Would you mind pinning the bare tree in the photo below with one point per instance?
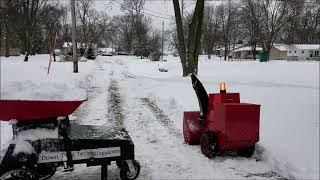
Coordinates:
(250, 18)
(27, 13)
(211, 30)
(274, 14)
(227, 15)
(125, 30)
(51, 17)
(189, 54)
(83, 8)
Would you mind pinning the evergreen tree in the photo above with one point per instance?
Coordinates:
(90, 53)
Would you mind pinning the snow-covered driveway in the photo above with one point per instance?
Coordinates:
(154, 124)
(130, 92)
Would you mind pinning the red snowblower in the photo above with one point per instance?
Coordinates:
(222, 124)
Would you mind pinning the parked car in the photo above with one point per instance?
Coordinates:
(107, 54)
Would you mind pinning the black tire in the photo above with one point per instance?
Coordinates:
(18, 174)
(209, 145)
(46, 172)
(119, 163)
(124, 171)
(246, 152)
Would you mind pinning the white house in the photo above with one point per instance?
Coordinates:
(66, 48)
(244, 53)
(304, 52)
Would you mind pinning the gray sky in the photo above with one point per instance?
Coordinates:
(157, 10)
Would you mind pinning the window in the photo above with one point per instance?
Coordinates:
(289, 51)
(295, 51)
(302, 52)
(316, 53)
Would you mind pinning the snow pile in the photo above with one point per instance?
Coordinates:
(36, 134)
(22, 146)
(31, 81)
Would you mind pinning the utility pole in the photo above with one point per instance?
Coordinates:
(162, 38)
(74, 43)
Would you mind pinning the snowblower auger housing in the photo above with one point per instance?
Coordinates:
(61, 143)
(228, 124)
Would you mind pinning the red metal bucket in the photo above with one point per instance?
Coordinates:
(23, 110)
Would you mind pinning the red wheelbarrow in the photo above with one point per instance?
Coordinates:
(223, 123)
(73, 144)
(26, 110)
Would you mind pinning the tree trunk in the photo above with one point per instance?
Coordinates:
(254, 50)
(7, 50)
(26, 58)
(199, 14)
(189, 59)
(180, 34)
(225, 51)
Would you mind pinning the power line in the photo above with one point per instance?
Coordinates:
(145, 13)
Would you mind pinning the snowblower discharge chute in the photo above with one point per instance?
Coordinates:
(223, 123)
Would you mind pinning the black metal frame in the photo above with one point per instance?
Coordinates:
(71, 138)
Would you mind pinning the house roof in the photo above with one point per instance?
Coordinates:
(69, 44)
(107, 49)
(235, 47)
(281, 47)
(307, 46)
(247, 48)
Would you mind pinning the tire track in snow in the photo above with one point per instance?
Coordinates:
(161, 116)
(115, 110)
(95, 85)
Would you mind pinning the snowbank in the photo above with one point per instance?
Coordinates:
(30, 80)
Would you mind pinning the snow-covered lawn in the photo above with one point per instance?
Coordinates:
(287, 91)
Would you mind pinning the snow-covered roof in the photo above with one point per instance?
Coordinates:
(107, 49)
(247, 48)
(281, 47)
(237, 46)
(69, 44)
(307, 46)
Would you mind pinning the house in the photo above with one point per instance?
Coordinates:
(279, 52)
(244, 53)
(304, 52)
(220, 51)
(107, 51)
(12, 51)
(67, 49)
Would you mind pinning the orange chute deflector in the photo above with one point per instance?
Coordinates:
(223, 88)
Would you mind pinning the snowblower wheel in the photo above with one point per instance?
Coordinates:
(18, 174)
(125, 173)
(208, 144)
(247, 152)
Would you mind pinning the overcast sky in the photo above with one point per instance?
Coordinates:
(157, 10)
